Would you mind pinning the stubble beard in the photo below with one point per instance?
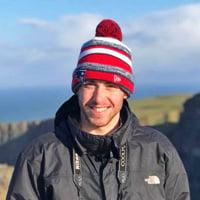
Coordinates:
(95, 122)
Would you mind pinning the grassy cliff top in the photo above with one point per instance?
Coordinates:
(159, 109)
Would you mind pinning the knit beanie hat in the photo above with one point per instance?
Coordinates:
(105, 58)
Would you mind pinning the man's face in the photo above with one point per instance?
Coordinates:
(100, 104)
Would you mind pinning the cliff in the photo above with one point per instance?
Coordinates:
(18, 135)
(9, 131)
(186, 138)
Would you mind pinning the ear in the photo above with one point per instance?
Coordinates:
(125, 96)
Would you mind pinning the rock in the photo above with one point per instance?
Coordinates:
(10, 150)
(187, 141)
(9, 131)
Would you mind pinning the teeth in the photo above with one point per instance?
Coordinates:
(100, 109)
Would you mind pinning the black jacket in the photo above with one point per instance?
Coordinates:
(133, 163)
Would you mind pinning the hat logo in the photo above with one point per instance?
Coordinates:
(117, 78)
(80, 74)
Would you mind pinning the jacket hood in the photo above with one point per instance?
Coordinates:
(67, 126)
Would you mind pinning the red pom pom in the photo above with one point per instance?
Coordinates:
(109, 28)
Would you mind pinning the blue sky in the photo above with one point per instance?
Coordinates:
(40, 40)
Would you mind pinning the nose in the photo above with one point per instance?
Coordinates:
(99, 95)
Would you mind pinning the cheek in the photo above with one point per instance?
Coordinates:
(119, 98)
(83, 98)
(119, 104)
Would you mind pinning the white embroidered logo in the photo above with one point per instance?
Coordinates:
(152, 180)
(117, 78)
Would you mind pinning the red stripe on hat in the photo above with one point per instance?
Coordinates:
(105, 59)
(75, 80)
(113, 78)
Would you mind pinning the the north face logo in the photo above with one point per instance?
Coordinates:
(152, 180)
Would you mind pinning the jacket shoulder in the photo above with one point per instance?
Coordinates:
(150, 140)
(47, 142)
(149, 135)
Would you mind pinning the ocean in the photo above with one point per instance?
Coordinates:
(27, 104)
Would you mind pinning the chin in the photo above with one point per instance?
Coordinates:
(98, 124)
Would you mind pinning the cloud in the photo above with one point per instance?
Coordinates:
(47, 55)
(67, 31)
(165, 45)
(36, 23)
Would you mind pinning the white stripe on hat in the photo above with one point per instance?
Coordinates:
(106, 51)
(112, 40)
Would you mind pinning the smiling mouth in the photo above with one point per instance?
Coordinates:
(100, 110)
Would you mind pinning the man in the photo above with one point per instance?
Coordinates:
(98, 149)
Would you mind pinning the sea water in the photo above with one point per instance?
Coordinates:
(27, 104)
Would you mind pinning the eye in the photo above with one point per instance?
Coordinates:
(112, 86)
(89, 85)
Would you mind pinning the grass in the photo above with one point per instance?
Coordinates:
(159, 109)
(5, 175)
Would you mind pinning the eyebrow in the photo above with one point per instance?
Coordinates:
(100, 81)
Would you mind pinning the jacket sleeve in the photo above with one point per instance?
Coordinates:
(25, 181)
(176, 184)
